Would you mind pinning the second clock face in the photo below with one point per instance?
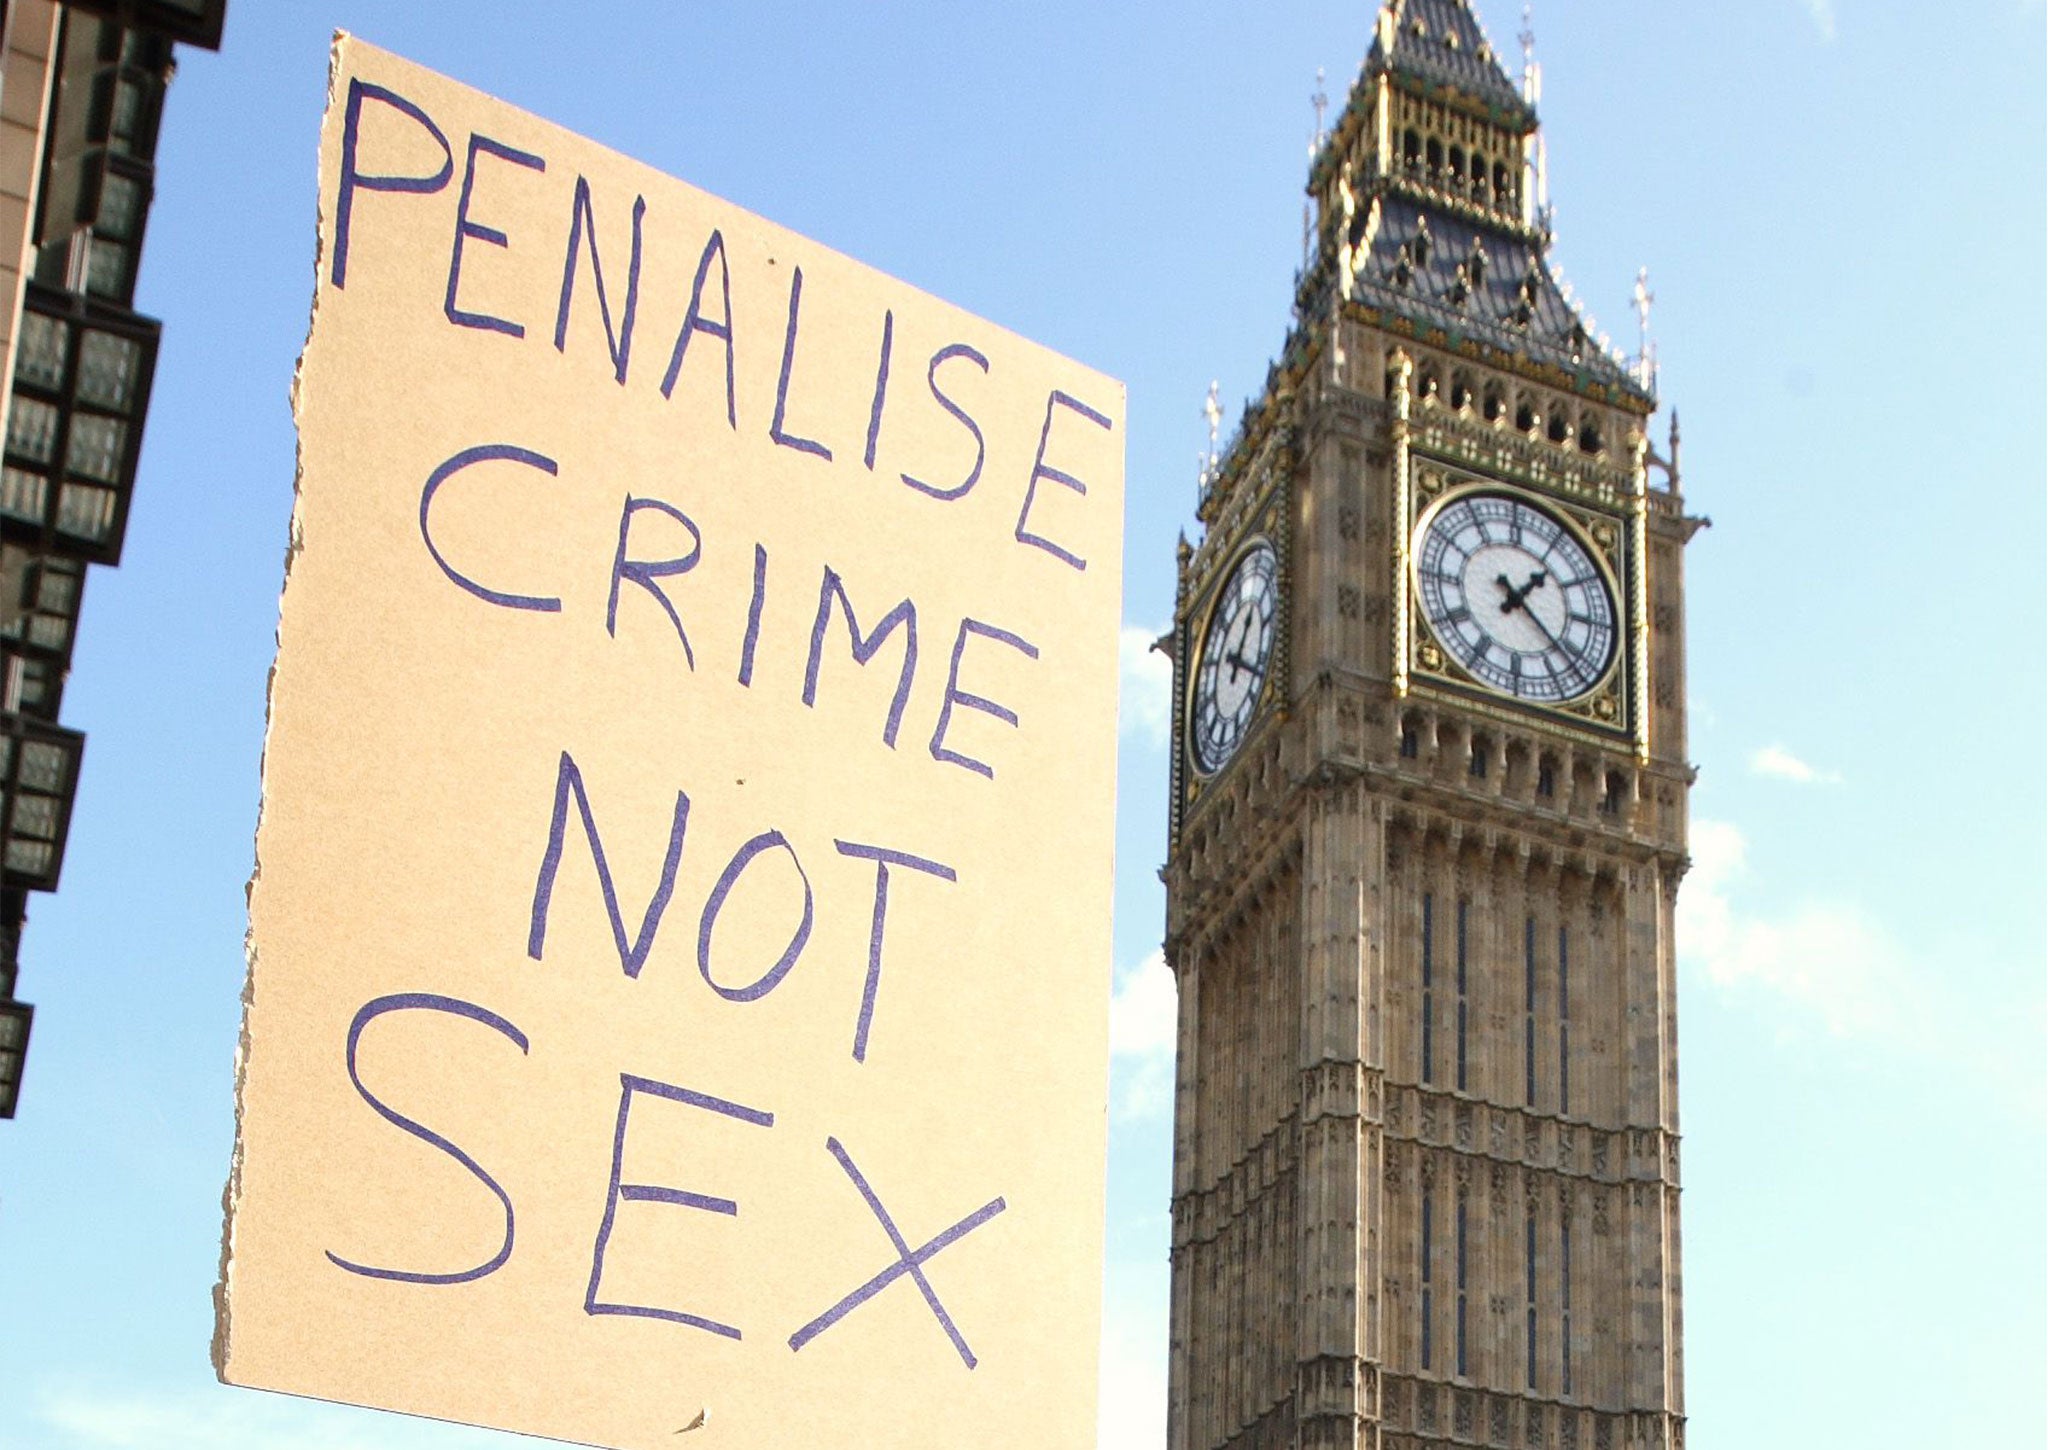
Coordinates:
(1515, 597)
(1230, 674)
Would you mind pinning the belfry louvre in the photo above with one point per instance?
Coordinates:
(1429, 821)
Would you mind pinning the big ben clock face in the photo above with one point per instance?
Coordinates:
(1237, 649)
(1515, 597)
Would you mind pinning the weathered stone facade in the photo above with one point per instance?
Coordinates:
(1426, 1137)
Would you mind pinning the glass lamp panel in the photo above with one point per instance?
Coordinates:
(32, 429)
(13, 1032)
(41, 350)
(23, 495)
(44, 767)
(34, 817)
(120, 212)
(86, 512)
(30, 858)
(38, 687)
(127, 113)
(57, 587)
(106, 369)
(107, 268)
(96, 447)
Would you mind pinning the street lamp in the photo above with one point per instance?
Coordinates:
(15, 1020)
(38, 778)
(195, 22)
(81, 386)
(39, 601)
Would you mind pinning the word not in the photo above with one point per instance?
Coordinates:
(633, 953)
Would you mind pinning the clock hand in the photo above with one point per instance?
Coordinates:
(1515, 597)
(1555, 642)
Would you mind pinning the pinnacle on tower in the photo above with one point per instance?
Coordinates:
(1441, 44)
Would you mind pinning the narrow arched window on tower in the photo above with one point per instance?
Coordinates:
(1463, 912)
(1529, 1014)
(1529, 1288)
(1565, 1298)
(1463, 1365)
(1428, 971)
(1564, 1020)
(1428, 1215)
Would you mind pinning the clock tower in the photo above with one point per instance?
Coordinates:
(1429, 818)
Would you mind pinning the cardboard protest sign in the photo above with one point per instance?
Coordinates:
(679, 937)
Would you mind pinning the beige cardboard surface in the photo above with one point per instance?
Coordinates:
(794, 604)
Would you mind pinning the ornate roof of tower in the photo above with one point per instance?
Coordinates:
(1442, 44)
(1477, 282)
(1441, 222)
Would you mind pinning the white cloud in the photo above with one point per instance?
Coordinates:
(1822, 13)
(1827, 960)
(1145, 709)
(1144, 1018)
(1833, 965)
(233, 1419)
(1779, 763)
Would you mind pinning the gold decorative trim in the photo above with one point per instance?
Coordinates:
(1614, 541)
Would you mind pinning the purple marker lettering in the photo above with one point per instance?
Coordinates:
(884, 858)
(485, 453)
(466, 229)
(621, 1192)
(775, 430)
(694, 322)
(715, 903)
(957, 696)
(354, 179)
(908, 1261)
(864, 646)
(760, 597)
(944, 355)
(632, 955)
(1041, 469)
(582, 218)
(881, 389)
(645, 572)
(429, 1002)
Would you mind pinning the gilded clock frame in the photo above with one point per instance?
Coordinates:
(1262, 509)
(1252, 540)
(1611, 710)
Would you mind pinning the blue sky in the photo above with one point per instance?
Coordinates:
(1840, 203)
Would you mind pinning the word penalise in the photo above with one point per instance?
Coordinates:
(708, 321)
